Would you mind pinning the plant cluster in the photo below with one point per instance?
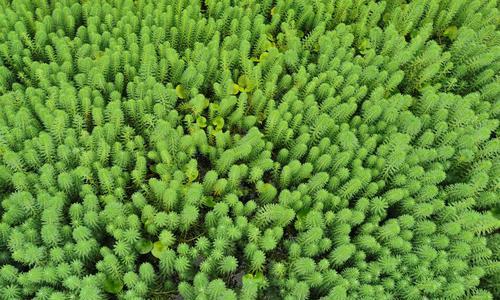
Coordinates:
(249, 149)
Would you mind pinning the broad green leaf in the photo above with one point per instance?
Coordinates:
(218, 122)
(243, 81)
(214, 107)
(201, 121)
(143, 246)
(268, 45)
(180, 92)
(364, 45)
(451, 32)
(113, 286)
(247, 276)
(158, 249)
(245, 84)
(259, 276)
(235, 89)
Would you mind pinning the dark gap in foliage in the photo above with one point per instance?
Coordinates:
(204, 164)
(203, 7)
(393, 211)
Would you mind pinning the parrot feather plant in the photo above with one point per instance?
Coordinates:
(253, 149)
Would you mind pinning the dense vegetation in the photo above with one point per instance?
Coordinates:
(249, 149)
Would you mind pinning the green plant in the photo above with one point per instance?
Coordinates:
(257, 149)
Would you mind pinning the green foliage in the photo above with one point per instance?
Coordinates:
(257, 149)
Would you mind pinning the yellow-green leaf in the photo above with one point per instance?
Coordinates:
(214, 107)
(235, 89)
(180, 92)
(218, 122)
(268, 45)
(201, 121)
(451, 32)
(247, 276)
(245, 83)
(259, 276)
(158, 249)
